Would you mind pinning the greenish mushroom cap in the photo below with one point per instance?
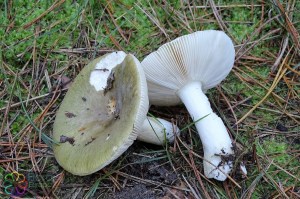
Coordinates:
(96, 127)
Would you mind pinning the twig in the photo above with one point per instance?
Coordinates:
(31, 99)
(279, 75)
(54, 5)
(7, 108)
(218, 16)
(191, 188)
(278, 59)
(290, 26)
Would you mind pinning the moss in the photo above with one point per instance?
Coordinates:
(19, 40)
(278, 152)
(275, 151)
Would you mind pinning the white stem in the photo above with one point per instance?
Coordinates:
(212, 131)
(156, 131)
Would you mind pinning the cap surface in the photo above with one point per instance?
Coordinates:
(205, 56)
(94, 128)
(99, 75)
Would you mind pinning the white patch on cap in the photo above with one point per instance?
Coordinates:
(98, 77)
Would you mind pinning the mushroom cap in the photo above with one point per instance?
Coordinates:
(205, 56)
(94, 128)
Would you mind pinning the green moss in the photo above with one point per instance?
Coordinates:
(19, 40)
(18, 124)
(275, 151)
(278, 152)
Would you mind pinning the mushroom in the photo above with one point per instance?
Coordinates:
(182, 71)
(97, 122)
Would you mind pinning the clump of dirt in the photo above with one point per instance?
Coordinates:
(149, 167)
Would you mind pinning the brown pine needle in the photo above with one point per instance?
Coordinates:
(279, 75)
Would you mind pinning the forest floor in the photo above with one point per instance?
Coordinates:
(45, 44)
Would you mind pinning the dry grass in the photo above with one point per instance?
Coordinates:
(259, 102)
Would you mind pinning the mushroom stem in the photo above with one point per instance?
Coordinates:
(157, 131)
(216, 142)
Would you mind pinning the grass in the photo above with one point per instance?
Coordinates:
(46, 43)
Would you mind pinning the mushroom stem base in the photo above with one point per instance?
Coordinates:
(217, 145)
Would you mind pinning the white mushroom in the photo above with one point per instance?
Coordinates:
(182, 71)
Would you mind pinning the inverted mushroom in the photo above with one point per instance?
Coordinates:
(96, 124)
(154, 130)
(182, 71)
